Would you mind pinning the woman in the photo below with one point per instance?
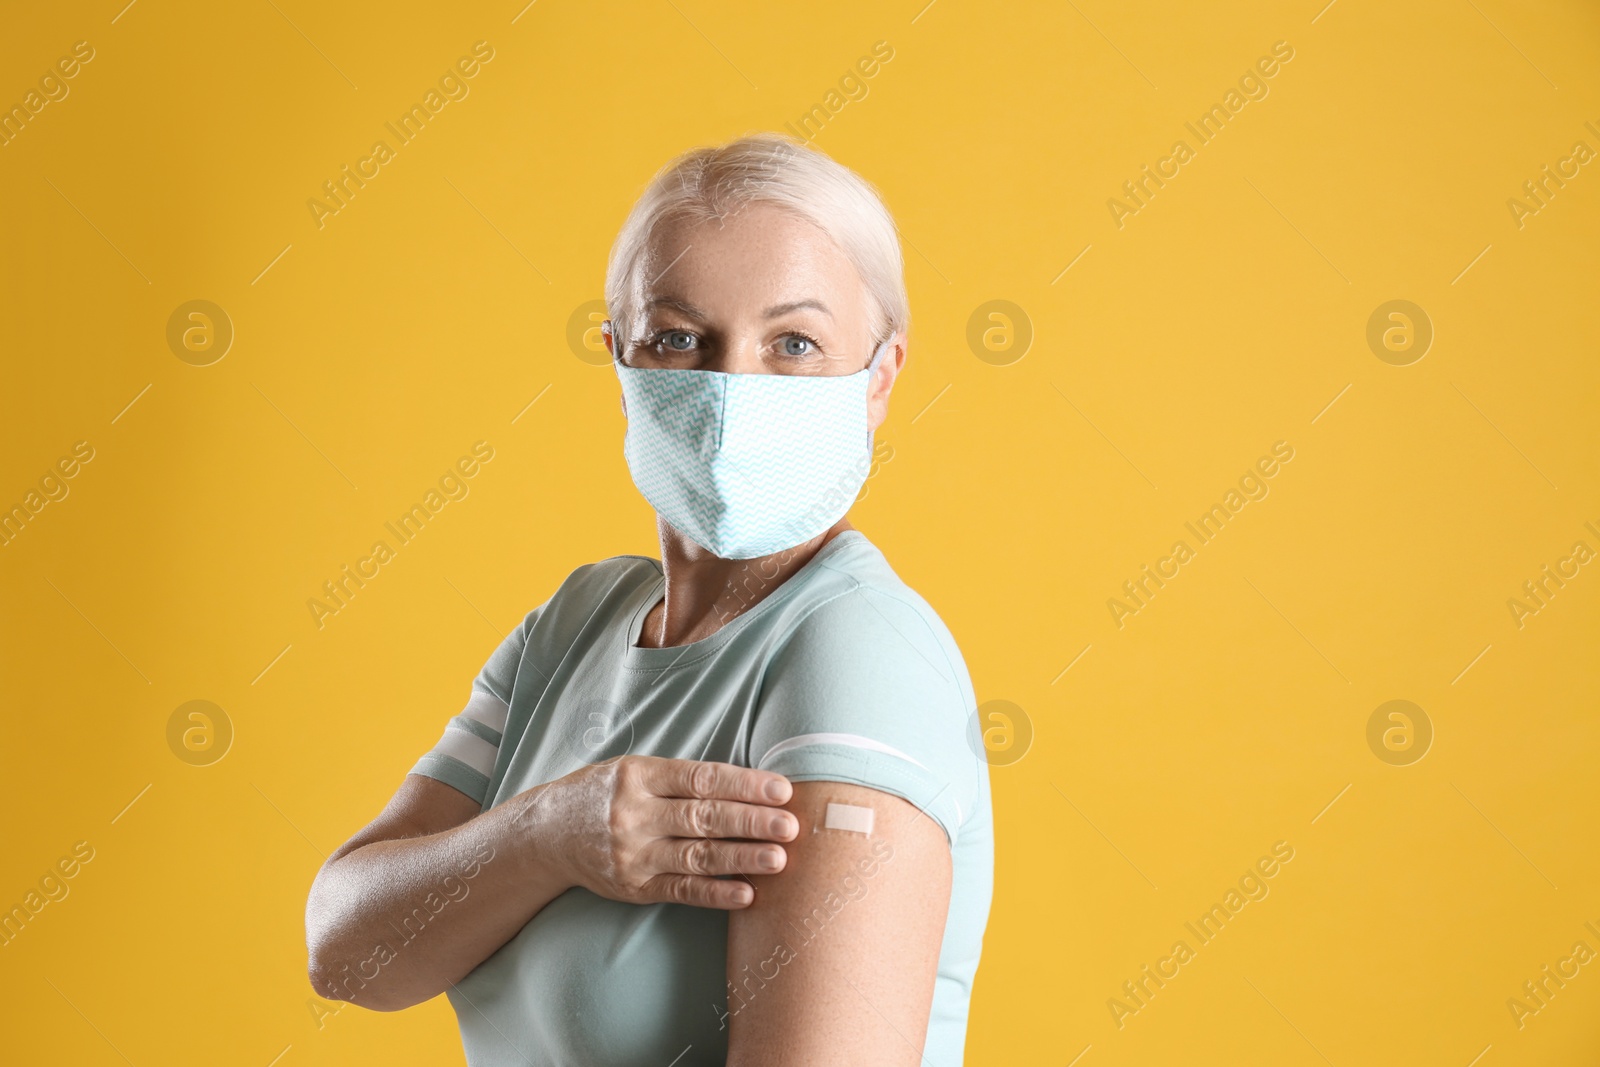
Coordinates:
(721, 808)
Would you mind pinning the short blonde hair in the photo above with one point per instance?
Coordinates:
(710, 183)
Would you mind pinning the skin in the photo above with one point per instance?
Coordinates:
(718, 295)
(858, 986)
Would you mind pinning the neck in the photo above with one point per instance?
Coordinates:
(705, 592)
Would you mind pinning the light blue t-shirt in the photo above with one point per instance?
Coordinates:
(842, 673)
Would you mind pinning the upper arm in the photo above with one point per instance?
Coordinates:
(835, 960)
(866, 704)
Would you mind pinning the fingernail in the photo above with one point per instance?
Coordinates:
(770, 858)
(780, 827)
(743, 895)
(777, 789)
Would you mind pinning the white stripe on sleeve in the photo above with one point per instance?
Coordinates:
(468, 747)
(487, 709)
(851, 740)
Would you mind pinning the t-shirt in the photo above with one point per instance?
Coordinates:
(842, 673)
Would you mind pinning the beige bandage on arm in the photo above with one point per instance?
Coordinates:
(849, 817)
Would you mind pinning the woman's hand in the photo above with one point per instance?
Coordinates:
(646, 830)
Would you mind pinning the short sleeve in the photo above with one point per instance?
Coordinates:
(464, 756)
(870, 689)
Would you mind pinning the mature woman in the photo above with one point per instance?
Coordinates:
(720, 808)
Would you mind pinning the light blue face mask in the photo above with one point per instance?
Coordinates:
(746, 465)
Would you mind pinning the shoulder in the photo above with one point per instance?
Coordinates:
(613, 572)
(590, 594)
(868, 686)
(591, 585)
(859, 615)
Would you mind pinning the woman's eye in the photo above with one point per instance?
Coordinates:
(678, 340)
(797, 345)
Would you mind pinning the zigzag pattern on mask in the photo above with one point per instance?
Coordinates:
(746, 464)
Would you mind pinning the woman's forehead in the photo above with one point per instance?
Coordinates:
(695, 311)
(761, 259)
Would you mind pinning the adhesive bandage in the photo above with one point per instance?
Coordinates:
(848, 817)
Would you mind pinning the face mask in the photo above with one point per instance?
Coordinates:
(746, 465)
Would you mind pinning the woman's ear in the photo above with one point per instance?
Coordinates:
(611, 346)
(894, 360)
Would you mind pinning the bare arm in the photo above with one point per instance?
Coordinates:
(431, 888)
(421, 896)
(835, 961)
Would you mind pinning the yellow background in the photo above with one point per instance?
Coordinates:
(1228, 314)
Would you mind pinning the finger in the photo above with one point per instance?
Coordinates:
(724, 894)
(721, 818)
(722, 781)
(706, 856)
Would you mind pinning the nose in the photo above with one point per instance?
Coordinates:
(736, 355)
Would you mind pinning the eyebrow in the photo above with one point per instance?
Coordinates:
(771, 312)
(783, 309)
